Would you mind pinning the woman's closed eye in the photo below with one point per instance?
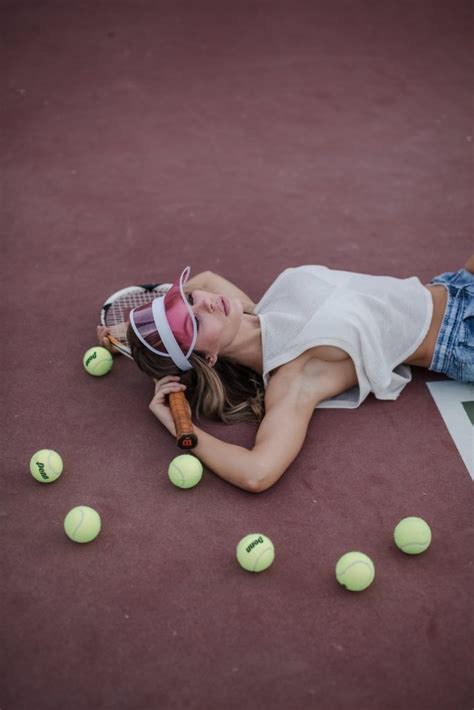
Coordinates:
(189, 296)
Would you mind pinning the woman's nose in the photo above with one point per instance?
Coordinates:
(205, 303)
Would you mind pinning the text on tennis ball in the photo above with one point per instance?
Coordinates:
(41, 470)
(254, 543)
(91, 357)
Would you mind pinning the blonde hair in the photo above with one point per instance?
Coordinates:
(228, 392)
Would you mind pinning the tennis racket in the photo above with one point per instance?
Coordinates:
(115, 315)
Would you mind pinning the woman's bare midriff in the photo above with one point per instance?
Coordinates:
(423, 356)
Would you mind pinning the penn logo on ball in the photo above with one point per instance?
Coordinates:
(46, 465)
(97, 361)
(255, 552)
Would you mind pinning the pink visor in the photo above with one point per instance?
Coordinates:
(167, 325)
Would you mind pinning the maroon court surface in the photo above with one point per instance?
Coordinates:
(239, 137)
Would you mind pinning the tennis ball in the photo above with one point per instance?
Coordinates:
(412, 536)
(255, 552)
(46, 465)
(355, 571)
(82, 524)
(97, 361)
(185, 471)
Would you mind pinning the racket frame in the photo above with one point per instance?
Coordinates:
(186, 437)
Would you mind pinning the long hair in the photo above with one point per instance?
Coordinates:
(229, 392)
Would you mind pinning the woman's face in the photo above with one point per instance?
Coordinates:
(218, 319)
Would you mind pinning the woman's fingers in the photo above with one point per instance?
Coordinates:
(159, 405)
(166, 380)
(102, 332)
(167, 385)
(166, 389)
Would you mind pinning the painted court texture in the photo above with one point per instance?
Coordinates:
(243, 138)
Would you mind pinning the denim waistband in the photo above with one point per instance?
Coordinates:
(448, 332)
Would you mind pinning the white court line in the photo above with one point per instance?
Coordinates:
(448, 396)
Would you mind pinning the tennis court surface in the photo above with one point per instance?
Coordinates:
(242, 138)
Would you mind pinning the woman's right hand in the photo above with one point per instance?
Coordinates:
(102, 333)
(159, 404)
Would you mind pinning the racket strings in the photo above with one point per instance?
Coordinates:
(118, 313)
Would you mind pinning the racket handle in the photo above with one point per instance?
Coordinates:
(186, 437)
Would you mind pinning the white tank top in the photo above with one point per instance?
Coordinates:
(378, 320)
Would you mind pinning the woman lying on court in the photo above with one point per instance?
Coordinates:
(318, 338)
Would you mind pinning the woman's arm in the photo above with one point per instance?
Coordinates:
(234, 464)
(209, 281)
(289, 406)
(279, 439)
(290, 400)
(200, 281)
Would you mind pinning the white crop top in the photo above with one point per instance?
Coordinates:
(378, 320)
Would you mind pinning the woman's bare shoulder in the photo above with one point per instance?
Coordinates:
(314, 378)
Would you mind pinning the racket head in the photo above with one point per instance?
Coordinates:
(115, 312)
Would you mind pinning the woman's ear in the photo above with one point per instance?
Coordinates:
(211, 360)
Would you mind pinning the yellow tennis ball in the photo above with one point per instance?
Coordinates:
(97, 361)
(46, 465)
(82, 524)
(185, 471)
(355, 571)
(412, 535)
(255, 552)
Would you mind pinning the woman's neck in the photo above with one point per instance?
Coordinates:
(246, 348)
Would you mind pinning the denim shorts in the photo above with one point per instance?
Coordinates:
(454, 350)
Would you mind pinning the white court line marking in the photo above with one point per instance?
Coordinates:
(449, 396)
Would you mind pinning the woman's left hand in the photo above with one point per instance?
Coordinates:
(159, 405)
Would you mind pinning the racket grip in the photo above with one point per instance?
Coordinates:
(186, 438)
